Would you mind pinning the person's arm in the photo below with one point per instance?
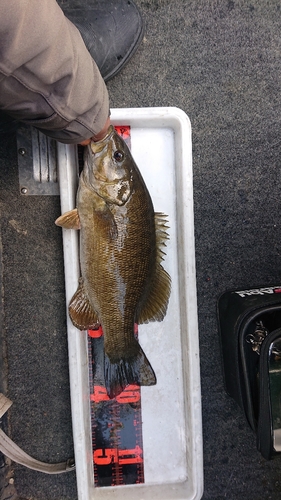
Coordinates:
(47, 76)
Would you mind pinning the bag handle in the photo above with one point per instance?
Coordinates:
(15, 453)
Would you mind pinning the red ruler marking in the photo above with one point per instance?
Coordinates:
(125, 132)
(116, 423)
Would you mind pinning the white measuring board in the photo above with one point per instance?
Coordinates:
(164, 437)
(171, 410)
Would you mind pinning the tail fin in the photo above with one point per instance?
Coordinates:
(124, 371)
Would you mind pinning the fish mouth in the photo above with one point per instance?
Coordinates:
(97, 146)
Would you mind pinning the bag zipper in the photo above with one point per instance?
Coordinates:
(257, 338)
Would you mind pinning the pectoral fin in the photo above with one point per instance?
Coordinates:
(81, 311)
(69, 220)
(104, 222)
(155, 304)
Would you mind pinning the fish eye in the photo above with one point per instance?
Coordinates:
(118, 155)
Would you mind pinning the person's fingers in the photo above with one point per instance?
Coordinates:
(99, 136)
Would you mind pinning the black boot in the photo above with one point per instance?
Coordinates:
(111, 29)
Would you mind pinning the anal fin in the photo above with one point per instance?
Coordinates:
(81, 311)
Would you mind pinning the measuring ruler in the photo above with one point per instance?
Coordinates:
(116, 423)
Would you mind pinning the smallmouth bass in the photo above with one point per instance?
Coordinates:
(121, 249)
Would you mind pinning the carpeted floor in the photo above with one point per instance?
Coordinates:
(219, 61)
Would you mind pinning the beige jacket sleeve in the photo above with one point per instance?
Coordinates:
(47, 77)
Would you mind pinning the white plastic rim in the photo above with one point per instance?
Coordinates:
(172, 422)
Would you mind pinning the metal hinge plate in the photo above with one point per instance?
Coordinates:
(37, 162)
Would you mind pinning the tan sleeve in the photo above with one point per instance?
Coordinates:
(47, 76)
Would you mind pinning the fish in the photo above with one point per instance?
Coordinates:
(122, 244)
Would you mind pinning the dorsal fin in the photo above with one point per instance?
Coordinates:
(162, 235)
(155, 305)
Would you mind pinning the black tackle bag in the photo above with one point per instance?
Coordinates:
(250, 335)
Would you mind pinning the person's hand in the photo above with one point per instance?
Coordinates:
(99, 136)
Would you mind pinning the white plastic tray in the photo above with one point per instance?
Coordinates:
(171, 410)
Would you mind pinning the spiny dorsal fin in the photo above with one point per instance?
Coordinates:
(69, 220)
(81, 311)
(162, 235)
(155, 305)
